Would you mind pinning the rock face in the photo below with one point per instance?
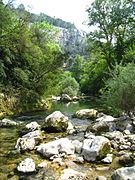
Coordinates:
(33, 126)
(7, 122)
(56, 147)
(68, 174)
(56, 122)
(96, 147)
(27, 166)
(125, 173)
(86, 113)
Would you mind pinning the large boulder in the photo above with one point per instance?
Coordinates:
(96, 147)
(124, 173)
(26, 166)
(70, 174)
(56, 122)
(86, 114)
(7, 122)
(56, 147)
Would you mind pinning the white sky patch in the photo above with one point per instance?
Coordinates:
(73, 11)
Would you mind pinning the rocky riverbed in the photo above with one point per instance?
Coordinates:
(100, 147)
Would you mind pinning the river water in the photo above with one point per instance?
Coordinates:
(10, 158)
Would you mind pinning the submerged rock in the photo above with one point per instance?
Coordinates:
(68, 174)
(86, 113)
(56, 122)
(56, 147)
(124, 173)
(96, 147)
(7, 122)
(27, 166)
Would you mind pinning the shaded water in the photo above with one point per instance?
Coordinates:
(10, 158)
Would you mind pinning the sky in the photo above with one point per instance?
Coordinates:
(73, 11)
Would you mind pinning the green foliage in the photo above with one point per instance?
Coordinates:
(77, 67)
(93, 76)
(29, 58)
(115, 26)
(119, 93)
(68, 84)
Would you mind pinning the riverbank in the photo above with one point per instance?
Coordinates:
(117, 133)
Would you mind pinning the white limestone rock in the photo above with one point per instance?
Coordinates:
(86, 113)
(33, 126)
(124, 173)
(97, 147)
(56, 122)
(56, 147)
(27, 166)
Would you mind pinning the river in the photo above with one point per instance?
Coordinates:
(10, 158)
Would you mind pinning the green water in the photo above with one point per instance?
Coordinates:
(10, 158)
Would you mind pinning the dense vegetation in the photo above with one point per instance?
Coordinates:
(29, 59)
(32, 61)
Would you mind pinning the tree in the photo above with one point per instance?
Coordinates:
(119, 92)
(115, 28)
(77, 67)
(29, 58)
(68, 84)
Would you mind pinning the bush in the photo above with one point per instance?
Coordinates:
(119, 93)
(68, 84)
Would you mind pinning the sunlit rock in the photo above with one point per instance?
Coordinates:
(33, 126)
(96, 147)
(26, 166)
(86, 113)
(124, 173)
(24, 144)
(59, 146)
(56, 122)
(7, 122)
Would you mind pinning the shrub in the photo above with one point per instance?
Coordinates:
(68, 84)
(119, 93)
